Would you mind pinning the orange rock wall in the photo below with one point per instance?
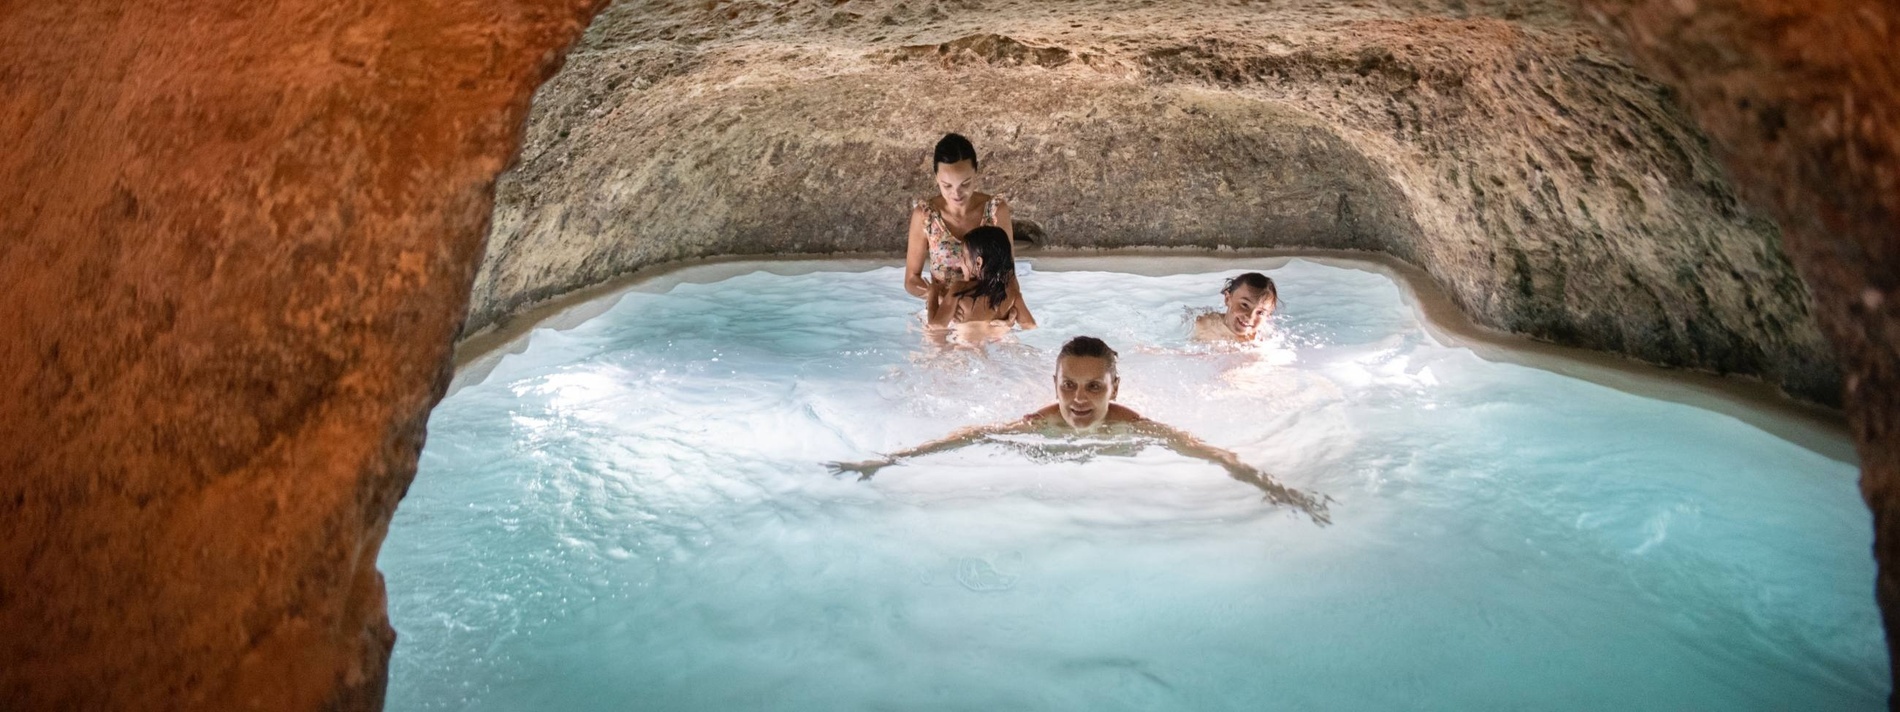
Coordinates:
(1801, 100)
(236, 241)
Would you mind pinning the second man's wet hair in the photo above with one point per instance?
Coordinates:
(1091, 347)
(989, 245)
(1253, 279)
(951, 149)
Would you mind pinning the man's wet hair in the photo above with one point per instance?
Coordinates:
(1091, 347)
(1250, 279)
(1253, 279)
(951, 149)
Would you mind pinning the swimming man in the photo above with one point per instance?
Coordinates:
(1248, 300)
(1086, 384)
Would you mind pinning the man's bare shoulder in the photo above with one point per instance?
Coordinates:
(1210, 327)
(1118, 413)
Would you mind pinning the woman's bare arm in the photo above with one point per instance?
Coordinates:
(1003, 221)
(939, 305)
(1024, 318)
(959, 439)
(1186, 444)
(914, 255)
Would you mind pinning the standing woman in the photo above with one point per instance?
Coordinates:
(937, 225)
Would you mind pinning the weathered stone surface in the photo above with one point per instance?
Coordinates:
(236, 241)
(1549, 187)
(1802, 101)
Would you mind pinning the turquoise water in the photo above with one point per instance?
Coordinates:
(632, 515)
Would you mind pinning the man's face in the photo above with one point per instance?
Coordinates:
(1084, 387)
(1246, 308)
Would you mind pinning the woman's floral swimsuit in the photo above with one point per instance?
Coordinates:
(946, 250)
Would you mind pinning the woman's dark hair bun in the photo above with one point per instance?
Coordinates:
(951, 149)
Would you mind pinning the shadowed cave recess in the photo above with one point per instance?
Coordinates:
(242, 242)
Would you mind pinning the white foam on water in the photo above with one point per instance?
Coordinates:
(633, 514)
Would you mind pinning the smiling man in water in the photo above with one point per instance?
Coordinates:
(1247, 301)
(1086, 386)
(1086, 383)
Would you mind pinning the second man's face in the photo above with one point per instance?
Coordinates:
(1247, 307)
(1084, 388)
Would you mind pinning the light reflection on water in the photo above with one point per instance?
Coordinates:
(631, 514)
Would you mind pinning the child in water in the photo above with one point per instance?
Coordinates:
(981, 303)
(983, 294)
(1247, 301)
(1086, 384)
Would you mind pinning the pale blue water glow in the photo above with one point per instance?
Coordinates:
(631, 515)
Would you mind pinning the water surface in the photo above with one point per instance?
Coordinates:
(632, 514)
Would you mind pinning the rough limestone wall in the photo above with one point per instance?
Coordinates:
(236, 242)
(1548, 186)
(1802, 101)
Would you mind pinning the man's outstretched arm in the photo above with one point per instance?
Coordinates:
(962, 438)
(1186, 444)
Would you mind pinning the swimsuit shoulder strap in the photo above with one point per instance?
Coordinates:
(933, 218)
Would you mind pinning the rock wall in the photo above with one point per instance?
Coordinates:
(236, 242)
(1547, 185)
(1802, 101)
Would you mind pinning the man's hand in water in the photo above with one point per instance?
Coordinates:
(1181, 442)
(863, 469)
(1273, 491)
(961, 438)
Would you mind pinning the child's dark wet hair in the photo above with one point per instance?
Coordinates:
(951, 149)
(1090, 347)
(989, 246)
